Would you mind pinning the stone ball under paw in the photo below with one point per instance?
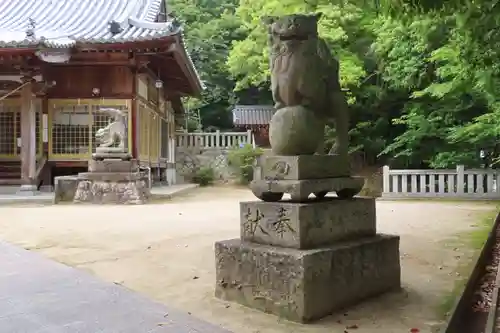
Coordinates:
(295, 130)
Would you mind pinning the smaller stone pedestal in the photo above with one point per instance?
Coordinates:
(301, 176)
(112, 181)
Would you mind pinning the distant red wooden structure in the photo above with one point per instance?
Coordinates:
(255, 118)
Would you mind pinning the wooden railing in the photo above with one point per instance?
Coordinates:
(471, 183)
(216, 139)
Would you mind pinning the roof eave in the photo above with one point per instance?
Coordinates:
(146, 43)
(87, 46)
(185, 60)
(18, 50)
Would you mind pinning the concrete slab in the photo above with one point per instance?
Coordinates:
(38, 295)
(167, 192)
(8, 197)
(39, 198)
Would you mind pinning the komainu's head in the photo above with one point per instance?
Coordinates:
(293, 27)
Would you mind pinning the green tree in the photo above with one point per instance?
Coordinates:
(210, 27)
(422, 77)
(461, 100)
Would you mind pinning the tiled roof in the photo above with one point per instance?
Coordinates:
(252, 114)
(62, 23)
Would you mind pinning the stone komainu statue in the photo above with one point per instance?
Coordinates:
(113, 135)
(304, 72)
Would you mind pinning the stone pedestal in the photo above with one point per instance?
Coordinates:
(304, 285)
(65, 188)
(307, 225)
(112, 181)
(301, 176)
(306, 258)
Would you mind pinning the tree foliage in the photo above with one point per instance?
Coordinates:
(422, 77)
(210, 27)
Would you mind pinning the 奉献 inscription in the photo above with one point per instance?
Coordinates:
(252, 221)
(282, 223)
(307, 225)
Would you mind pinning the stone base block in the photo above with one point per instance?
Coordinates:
(111, 176)
(65, 188)
(118, 155)
(114, 165)
(305, 285)
(300, 190)
(307, 225)
(111, 188)
(28, 190)
(304, 167)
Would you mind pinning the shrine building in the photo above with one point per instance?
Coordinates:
(63, 60)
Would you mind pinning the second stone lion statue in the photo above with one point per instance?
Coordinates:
(114, 134)
(304, 72)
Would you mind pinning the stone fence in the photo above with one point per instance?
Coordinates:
(441, 183)
(215, 140)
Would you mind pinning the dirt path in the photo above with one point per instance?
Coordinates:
(166, 252)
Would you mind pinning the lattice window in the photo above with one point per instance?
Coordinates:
(18, 131)
(10, 128)
(70, 130)
(8, 135)
(38, 129)
(73, 127)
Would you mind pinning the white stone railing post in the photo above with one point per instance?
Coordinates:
(217, 139)
(386, 179)
(249, 137)
(460, 179)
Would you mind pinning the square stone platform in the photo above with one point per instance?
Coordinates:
(112, 181)
(304, 285)
(307, 225)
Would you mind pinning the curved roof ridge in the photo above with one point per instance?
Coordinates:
(154, 7)
(63, 23)
(123, 18)
(150, 25)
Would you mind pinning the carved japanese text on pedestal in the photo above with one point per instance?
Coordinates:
(307, 225)
(252, 222)
(281, 224)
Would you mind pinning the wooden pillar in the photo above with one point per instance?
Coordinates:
(28, 134)
(134, 150)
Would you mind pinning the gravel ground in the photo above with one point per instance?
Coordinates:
(165, 251)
